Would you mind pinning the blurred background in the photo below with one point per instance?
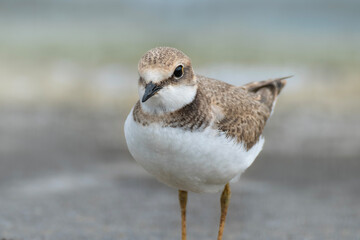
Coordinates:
(68, 79)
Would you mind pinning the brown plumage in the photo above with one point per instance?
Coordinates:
(268, 90)
(239, 112)
(161, 58)
(244, 110)
(178, 112)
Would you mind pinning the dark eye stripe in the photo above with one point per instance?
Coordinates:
(187, 73)
(142, 81)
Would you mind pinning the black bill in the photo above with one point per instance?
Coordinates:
(150, 90)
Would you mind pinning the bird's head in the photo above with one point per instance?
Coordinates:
(167, 81)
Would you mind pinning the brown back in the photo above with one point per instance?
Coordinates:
(241, 112)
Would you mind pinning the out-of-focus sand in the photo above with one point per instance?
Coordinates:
(66, 173)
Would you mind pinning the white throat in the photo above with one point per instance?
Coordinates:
(168, 99)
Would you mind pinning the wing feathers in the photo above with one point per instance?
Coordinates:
(267, 91)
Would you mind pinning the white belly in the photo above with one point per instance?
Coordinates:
(192, 161)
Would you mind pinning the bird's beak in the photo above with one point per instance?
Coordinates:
(150, 90)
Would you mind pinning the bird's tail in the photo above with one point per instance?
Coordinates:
(268, 90)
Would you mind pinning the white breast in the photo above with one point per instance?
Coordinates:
(192, 161)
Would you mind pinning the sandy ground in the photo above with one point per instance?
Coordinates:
(67, 175)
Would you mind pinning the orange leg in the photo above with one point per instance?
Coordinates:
(183, 201)
(224, 202)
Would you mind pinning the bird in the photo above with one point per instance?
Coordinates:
(194, 133)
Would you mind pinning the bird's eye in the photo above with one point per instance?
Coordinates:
(179, 71)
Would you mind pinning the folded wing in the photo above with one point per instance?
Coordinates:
(241, 112)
